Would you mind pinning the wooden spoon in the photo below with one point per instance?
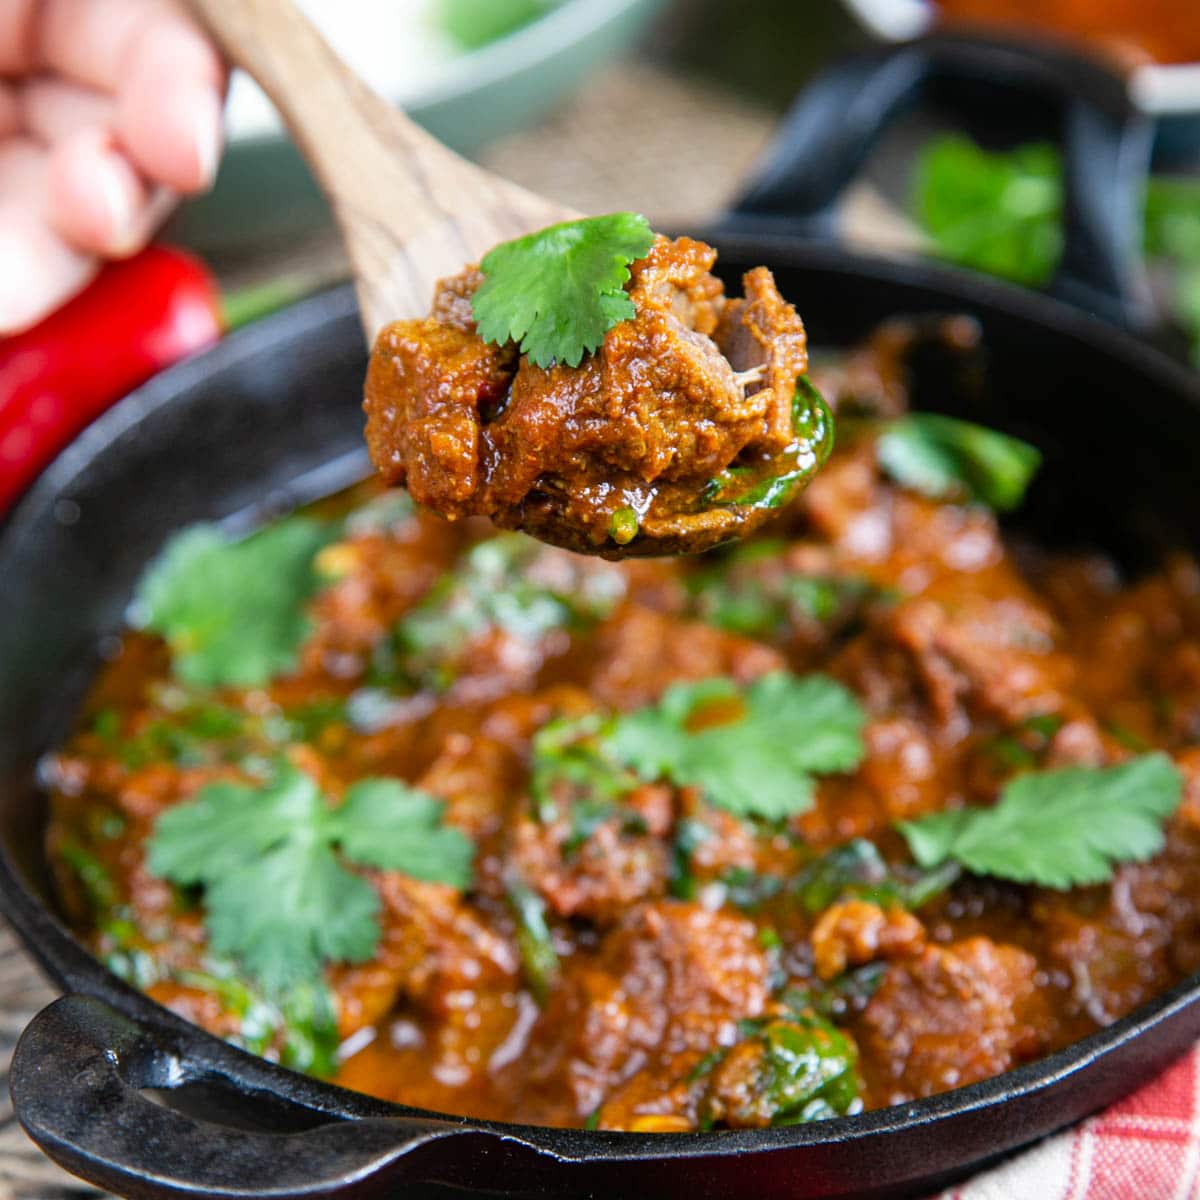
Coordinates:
(411, 210)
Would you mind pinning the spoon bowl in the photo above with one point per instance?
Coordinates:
(412, 212)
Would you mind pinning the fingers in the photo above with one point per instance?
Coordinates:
(94, 195)
(41, 272)
(92, 41)
(40, 269)
(17, 40)
(95, 199)
(121, 109)
(171, 124)
(166, 77)
(51, 108)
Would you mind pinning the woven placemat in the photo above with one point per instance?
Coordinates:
(25, 1174)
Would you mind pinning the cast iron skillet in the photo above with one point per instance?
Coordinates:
(138, 1101)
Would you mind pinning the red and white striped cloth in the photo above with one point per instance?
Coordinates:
(1147, 1147)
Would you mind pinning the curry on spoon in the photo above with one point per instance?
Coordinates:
(588, 382)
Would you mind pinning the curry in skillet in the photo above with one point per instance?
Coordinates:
(871, 806)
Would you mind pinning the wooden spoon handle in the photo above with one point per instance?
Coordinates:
(411, 210)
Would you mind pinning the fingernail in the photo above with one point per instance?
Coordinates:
(206, 136)
(122, 215)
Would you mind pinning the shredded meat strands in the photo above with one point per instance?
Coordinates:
(695, 383)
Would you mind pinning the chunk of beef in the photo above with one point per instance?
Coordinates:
(640, 653)
(906, 772)
(658, 401)
(667, 985)
(428, 386)
(673, 396)
(962, 650)
(762, 333)
(896, 537)
(597, 869)
(854, 932)
(436, 948)
(1118, 946)
(377, 578)
(476, 776)
(953, 1016)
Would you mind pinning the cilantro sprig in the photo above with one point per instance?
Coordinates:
(1058, 829)
(751, 750)
(557, 292)
(996, 212)
(233, 611)
(1001, 212)
(277, 897)
(946, 459)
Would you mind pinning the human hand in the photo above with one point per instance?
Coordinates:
(109, 111)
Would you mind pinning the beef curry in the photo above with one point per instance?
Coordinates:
(474, 824)
(689, 424)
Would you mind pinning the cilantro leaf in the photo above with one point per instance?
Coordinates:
(559, 291)
(945, 458)
(232, 612)
(1187, 307)
(996, 212)
(284, 913)
(1173, 237)
(384, 823)
(1002, 213)
(225, 825)
(751, 750)
(1173, 219)
(277, 898)
(1059, 829)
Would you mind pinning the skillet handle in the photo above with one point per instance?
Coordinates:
(1106, 140)
(78, 1080)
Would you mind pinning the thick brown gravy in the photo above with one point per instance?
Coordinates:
(660, 991)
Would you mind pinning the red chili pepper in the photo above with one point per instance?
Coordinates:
(137, 317)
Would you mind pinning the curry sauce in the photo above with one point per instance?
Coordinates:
(627, 954)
